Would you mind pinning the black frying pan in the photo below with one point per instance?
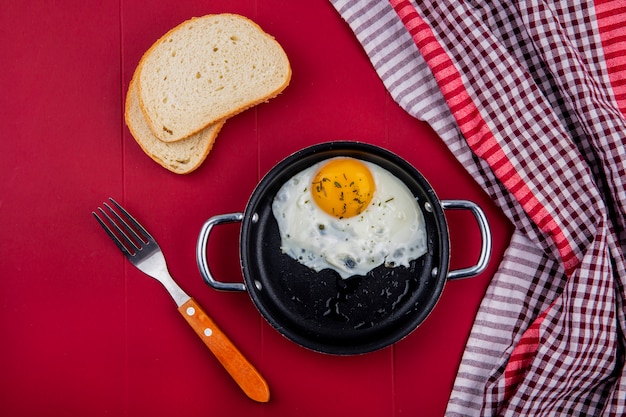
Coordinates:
(320, 310)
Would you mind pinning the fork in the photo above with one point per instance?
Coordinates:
(143, 252)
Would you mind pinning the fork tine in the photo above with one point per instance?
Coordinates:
(137, 226)
(124, 229)
(110, 232)
(127, 238)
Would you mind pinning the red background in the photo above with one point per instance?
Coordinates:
(83, 332)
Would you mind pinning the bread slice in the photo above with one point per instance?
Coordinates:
(181, 157)
(207, 69)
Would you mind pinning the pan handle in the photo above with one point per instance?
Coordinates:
(201, 256)
(485, 233)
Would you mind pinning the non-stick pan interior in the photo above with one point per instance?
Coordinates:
(322, 311)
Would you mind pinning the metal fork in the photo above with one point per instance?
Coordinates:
(143, 251)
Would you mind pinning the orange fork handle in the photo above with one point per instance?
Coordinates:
(242, 371)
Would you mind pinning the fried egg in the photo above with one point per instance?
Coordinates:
(349, 215)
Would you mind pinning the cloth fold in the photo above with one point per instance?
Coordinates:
(531, 98)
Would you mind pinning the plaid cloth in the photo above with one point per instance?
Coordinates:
(530, 96)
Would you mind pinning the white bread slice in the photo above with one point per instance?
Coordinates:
(208, 69)
(181, 157)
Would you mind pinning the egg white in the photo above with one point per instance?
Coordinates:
(390, 230)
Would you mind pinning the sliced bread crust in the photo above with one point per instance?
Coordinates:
(208, 69)
(181, 157)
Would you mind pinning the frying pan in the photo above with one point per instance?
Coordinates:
(320, 310)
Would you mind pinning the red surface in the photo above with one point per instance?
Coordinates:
(83, 333)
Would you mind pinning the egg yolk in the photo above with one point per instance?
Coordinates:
(343, 187)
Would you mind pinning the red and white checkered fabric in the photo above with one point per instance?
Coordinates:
(530, 96)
